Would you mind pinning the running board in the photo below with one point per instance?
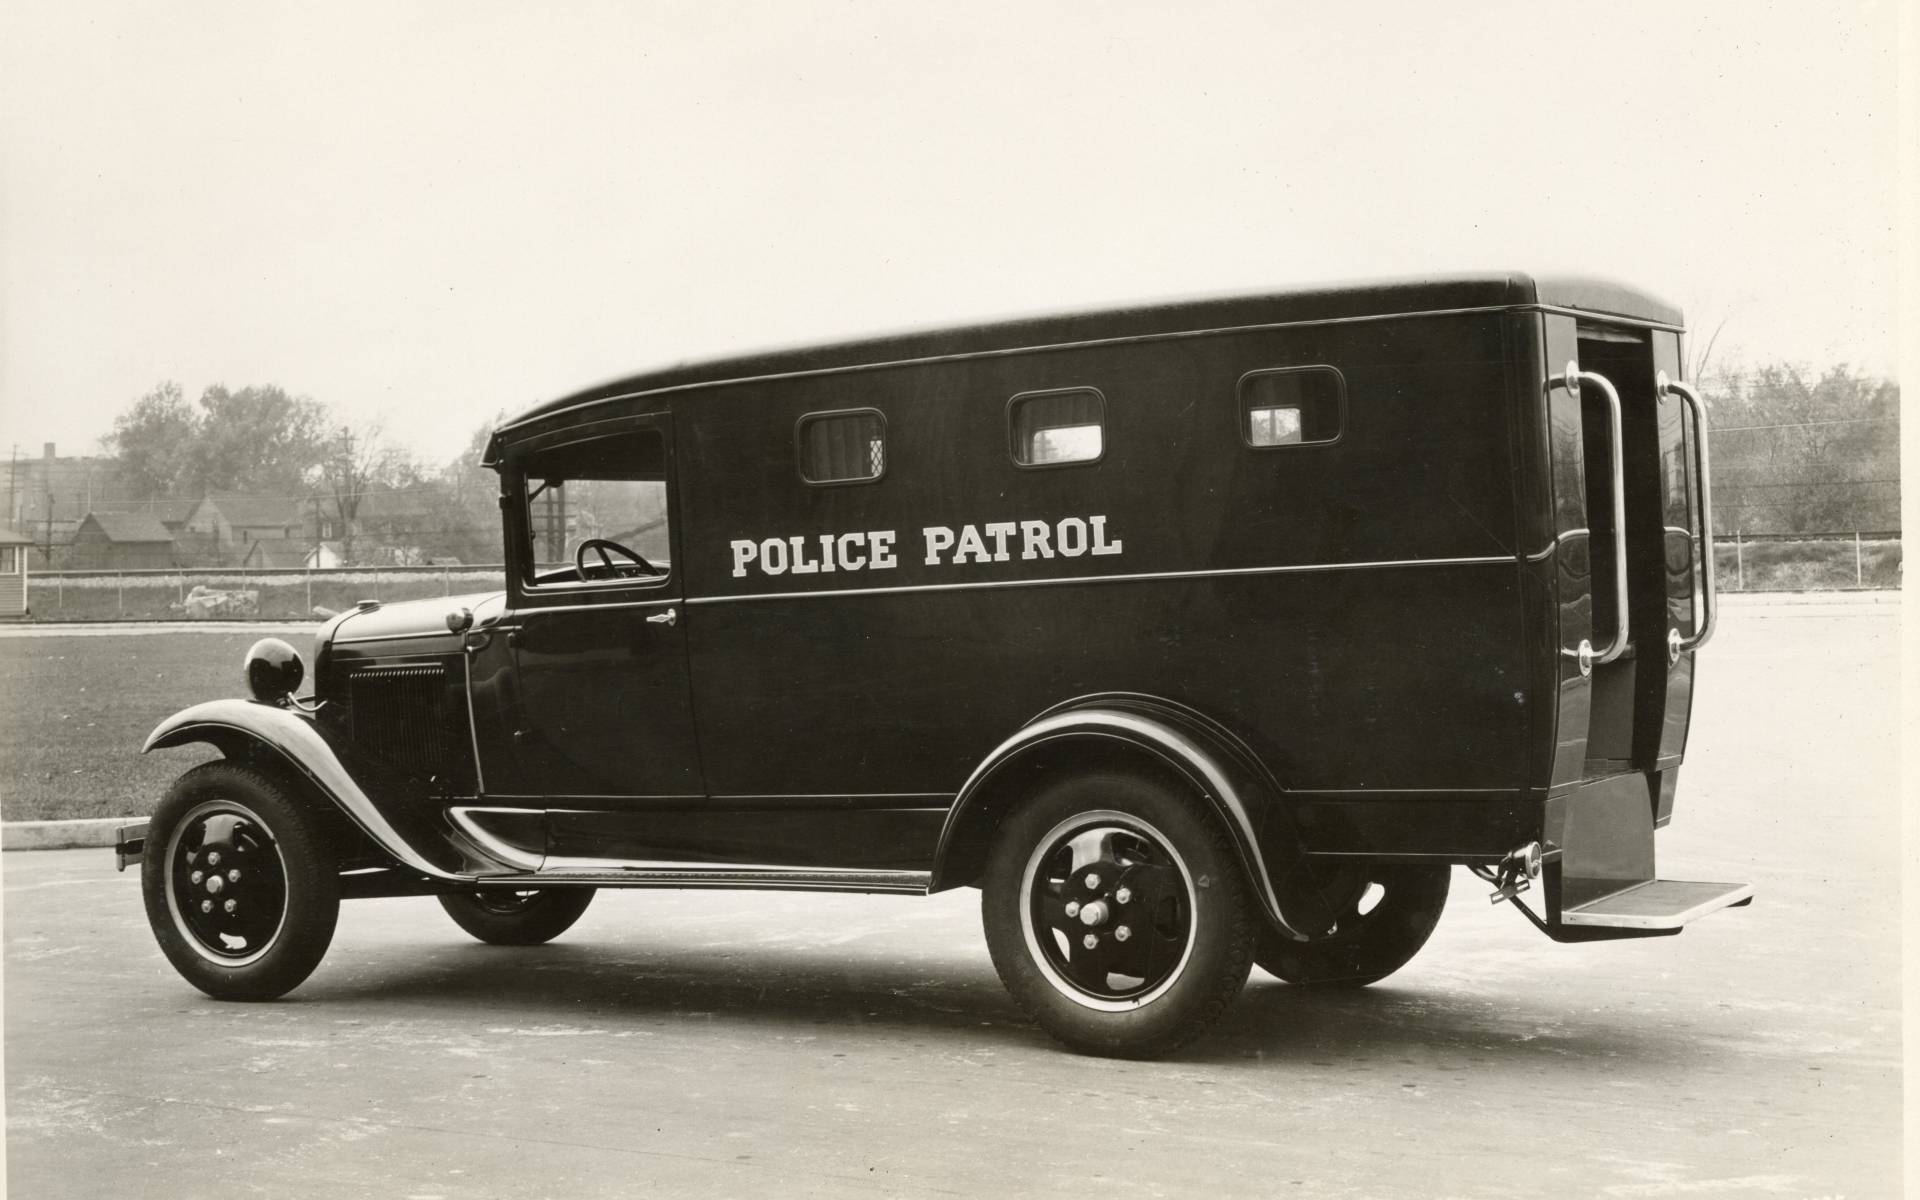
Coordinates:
(765, 879)
(1657, 906)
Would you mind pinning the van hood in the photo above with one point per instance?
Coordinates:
(421, 617)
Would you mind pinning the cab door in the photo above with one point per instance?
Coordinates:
(600, 720)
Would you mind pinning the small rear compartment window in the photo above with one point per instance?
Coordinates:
(1055, 428)
(843, 447)
(1292, 406)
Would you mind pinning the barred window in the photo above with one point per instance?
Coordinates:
(1292, 406)
(843, 447)
(1055, 428)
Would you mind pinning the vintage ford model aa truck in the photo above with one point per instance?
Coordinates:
(1195, 635)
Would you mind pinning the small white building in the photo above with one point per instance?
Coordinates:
(13, 573)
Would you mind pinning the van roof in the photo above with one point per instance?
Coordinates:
(1325, 302)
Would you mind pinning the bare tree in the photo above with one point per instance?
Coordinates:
(346, 473)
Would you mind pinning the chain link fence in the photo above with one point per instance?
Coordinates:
(1807, 562)
(241, 594)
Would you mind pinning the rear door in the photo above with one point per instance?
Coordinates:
(1636, 701)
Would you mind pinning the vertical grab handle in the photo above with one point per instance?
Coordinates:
(1709, 606)
(1617, 490)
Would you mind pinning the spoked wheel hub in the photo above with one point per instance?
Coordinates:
(1109, 910)
(227, 883)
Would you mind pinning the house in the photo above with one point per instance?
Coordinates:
(173, 513)
(224, 529)
(13, 573)
(121, 541)
(390, 526)
(232, 519)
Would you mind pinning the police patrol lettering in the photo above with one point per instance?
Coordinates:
(873, 550)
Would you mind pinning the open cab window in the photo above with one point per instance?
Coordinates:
(595, 511)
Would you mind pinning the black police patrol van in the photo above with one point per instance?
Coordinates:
(1196, 636)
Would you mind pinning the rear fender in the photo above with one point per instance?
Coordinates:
(1208, 757)
(248, 729)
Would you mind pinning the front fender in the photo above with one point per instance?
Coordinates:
(1210, 758)
(240, 727)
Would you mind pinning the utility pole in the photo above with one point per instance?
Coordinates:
(13, 472)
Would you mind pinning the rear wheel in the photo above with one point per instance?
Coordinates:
(1117, 915)
(501, 917)
(240, 889)
(1375, 918)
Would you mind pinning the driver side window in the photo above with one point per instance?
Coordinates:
(596, 511)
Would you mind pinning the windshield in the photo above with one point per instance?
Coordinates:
(609, 490)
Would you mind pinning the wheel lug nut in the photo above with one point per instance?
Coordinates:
(1120, 933)
(213, 859)
(1093, 880)
(1073, 908)
(1090, 941)
(206, 906)
(196, 877)
(233, 876)
(1123, 895)
(233, 904)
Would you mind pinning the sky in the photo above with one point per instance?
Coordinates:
(426, 214)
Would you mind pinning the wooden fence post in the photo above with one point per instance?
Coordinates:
(309, 611)
(1858, 579)
(1739, 564)
(120, 591)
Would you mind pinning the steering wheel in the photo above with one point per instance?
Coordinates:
(605, 569)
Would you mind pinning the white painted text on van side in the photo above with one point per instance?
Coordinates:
(873, 550)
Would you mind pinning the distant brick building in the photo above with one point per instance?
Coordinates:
(47, 496)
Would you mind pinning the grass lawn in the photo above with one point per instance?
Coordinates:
(74, 711)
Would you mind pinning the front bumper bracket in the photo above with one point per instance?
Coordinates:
(129, 845)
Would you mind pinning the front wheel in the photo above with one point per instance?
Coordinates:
(517, 918)
(1117, 915)
(240, 890)
(1380, 917)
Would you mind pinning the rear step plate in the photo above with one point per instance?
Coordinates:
(1658, 904)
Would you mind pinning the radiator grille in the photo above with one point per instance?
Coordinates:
(400, 716)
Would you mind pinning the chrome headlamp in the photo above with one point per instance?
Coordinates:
(273, 670)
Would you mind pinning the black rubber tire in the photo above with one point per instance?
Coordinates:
(1366, 947)
(509, 918)
(276, 816)
(1221, 934)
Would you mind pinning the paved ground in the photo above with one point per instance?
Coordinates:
(714, 1044)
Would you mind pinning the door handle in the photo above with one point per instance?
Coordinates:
(664, 618)
(1616, 444)
(1703, 627)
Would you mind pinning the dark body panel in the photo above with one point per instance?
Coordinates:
(1290, 592)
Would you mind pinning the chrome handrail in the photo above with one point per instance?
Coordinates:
(1572, 380)
(1709, 607)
